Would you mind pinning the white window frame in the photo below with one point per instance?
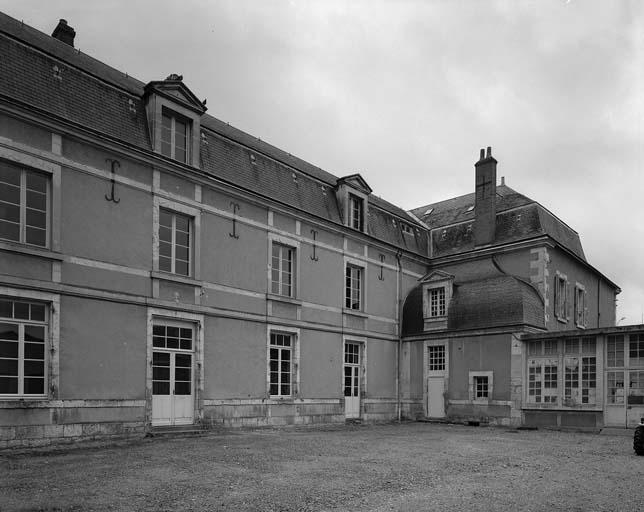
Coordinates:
(294, 245)
(473, 375)
(52, 339)
(174, 116)
(361, 266)
(352, 199)
(295, 360)
(581, 309)
(195, 242)
(441, 312)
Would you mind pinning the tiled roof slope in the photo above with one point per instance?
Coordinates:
(518, 218)
(483, 297)
(97, 96)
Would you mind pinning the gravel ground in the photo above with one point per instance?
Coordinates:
(413, 466)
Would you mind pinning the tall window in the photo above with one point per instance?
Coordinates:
(282, 270)
(23, 335)
(174, 137)
(24, 205)
(437, 302)
(561, 297)
(353, 290)
(615, 351)
(281, 364)
(581, 312)
(174, 242)
(356, 212)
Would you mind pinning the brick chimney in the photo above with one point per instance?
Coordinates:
(485, 199)
(63, 32)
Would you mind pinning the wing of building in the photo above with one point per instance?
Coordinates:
(160, 268)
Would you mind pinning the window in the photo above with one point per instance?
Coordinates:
(282, 270)
(175, 134)
(534, 384)
(24, 205)
(174, 242)
(581, 311)
(356, 212)
(615, 387)
(353, 290)
(481, 387)
(574, 361)
(436, 358)
(436, 302)
(543, 380)
(636, 388)
(561, 297)
(636, 350)
(406, 229)
(481, 384)
(23, 354)
(281, 364)
(615, 351)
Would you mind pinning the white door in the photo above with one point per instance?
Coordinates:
(172, 375)
(352, 380)
(436, 373)
(435, 401)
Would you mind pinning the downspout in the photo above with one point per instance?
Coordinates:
(399, 353)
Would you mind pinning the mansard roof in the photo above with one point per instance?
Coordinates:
(44, 74)
(517, 218)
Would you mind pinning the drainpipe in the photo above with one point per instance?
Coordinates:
(399, 355)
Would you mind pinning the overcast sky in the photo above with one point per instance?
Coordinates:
(406, 92)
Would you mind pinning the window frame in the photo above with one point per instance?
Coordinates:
(354, 222)
(474, 376)
(561, 297)
(288, 243)
(51, 325)
(441, 305)
(24, 170)
(173, 242)
(349, 305)
(294, 335)
(173, 116)
(195, 242)
(581, 309)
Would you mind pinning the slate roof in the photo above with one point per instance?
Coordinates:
(518, 218)
(98, 97)
(483, 297)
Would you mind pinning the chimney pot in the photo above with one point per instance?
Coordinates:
(63, 32)
(502, 181)
(489, 152)
(482, 157)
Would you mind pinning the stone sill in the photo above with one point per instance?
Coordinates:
(165, 276)
(282, 298)
(30, 250)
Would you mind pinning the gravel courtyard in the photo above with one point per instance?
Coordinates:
(413, 466)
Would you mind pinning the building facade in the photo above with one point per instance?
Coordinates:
(160, 268)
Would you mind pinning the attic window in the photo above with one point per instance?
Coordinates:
(253, 160)
(470, 208)
(131, 106)
(356, 212)
(175, 134)
(429, 211)
(406, 229)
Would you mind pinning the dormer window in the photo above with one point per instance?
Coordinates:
(174, 119)
(437, 302)
(356, 212)
(175, 134)
(438, 287)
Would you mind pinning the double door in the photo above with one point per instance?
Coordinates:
(172, 375)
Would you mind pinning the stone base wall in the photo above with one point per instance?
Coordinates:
(499, 415)
(563, 419)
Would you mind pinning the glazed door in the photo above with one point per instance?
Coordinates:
(352, 380)
(172, 376)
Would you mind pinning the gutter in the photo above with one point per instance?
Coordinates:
(399, 352)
